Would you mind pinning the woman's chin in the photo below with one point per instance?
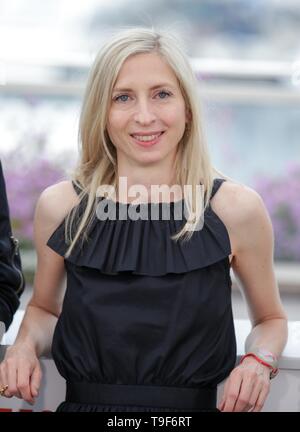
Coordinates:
(147, 159)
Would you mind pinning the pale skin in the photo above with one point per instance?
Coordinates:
(248, 226)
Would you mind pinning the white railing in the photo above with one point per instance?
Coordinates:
(238, 80)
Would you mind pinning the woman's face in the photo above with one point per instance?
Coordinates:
(146, 100)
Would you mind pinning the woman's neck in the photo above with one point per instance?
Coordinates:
(146, 185)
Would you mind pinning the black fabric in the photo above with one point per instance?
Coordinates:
(12, 282)
(182, 398)
(140, 309)
(144, 247)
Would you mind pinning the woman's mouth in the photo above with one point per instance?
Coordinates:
(147, 140)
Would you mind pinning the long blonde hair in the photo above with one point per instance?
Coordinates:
(98, 161)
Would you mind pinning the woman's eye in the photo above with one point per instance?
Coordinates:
(121, 97)
(166, 93)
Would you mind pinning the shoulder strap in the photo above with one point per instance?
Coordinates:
(216, 186)
(76, 187)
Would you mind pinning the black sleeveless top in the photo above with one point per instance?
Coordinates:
(141, 309)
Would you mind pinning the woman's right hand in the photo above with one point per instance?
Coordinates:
(21, 373)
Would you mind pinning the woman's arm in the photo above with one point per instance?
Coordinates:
(254, 269)
(253, 245)
(20, 369)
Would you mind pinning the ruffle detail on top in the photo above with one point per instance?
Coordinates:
(144, 247)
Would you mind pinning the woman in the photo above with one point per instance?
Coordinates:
(146, 322)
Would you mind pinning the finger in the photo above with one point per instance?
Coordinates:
(4, 380)
(221, 405)
(11, 373)
(261, 398)
(232, 392)
(255, 394)
(223, 398)
(36, 380)
(247, 385)
(23, 376)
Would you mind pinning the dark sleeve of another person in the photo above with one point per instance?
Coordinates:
(12, 281)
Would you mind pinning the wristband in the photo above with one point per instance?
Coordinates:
(265, 358)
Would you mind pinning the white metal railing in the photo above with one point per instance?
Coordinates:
(237, 80)
(213, 66)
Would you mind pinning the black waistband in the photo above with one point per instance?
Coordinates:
(142, 395)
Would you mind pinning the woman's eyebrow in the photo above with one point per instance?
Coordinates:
(118, 89)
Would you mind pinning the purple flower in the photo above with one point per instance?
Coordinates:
(282, 199)
(25, 182)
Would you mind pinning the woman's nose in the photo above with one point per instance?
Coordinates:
(144, 113)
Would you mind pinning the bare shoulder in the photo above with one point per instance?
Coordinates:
(239, 207)
(55, 202)
(236, 201)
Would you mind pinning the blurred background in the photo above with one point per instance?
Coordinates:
(246, 55)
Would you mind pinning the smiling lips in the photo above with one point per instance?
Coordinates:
(147, 140)
(146, 136)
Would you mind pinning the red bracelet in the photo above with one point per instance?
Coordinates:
(274, 371)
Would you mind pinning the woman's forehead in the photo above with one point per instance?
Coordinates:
(145, 67)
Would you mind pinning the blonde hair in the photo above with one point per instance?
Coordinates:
(98, 162)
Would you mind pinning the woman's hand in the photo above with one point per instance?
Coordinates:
(246, 388)
(20, 373)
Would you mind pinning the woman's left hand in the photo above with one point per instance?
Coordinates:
(246, 388)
